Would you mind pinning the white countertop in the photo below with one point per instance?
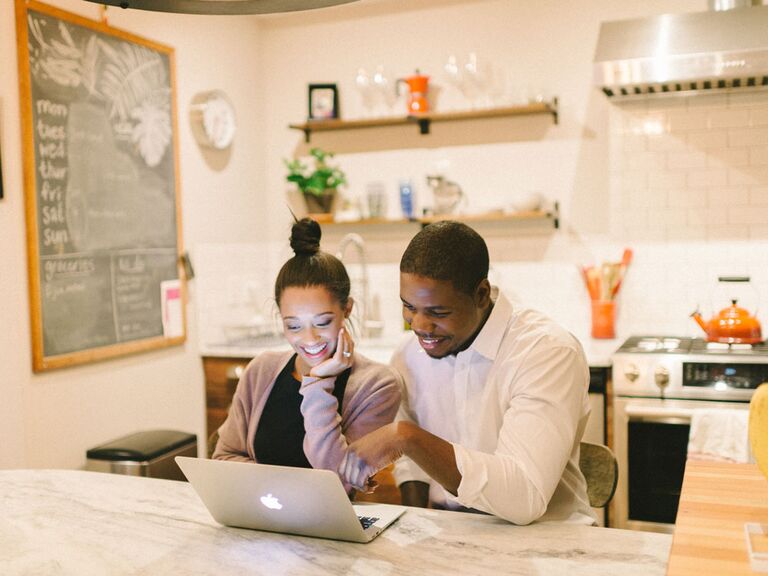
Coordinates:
(598, 351)
(81, 523)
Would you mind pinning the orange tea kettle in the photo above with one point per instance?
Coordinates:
(732, 325)
(418, 85)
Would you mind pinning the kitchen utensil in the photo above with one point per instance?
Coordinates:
(377, 200)
(446, 195)
(732, 325)
(603, 319)
(406, 198)
(526, 202)
(418, 84)
(626, 258)
(604, 282)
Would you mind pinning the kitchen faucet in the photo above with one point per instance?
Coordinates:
(366, 322)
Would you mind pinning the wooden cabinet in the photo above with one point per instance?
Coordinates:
(221, 376)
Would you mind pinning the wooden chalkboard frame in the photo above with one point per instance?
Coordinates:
(40, 360)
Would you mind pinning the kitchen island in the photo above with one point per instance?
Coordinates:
(717, 499)
(75, 522)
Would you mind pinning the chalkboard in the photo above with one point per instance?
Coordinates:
(101, 188)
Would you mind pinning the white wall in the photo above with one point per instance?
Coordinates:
(689, 199)
(51, 419)
(265, 64)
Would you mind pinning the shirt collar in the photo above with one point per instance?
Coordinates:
(489, 339)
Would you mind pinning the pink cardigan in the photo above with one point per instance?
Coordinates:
(371, 400)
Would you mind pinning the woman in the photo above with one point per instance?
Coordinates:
(302, 407)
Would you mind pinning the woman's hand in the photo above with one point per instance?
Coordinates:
(369, 454)
(342, 358)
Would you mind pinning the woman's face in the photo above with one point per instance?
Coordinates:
(312, 318)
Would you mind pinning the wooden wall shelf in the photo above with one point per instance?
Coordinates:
(552, 215)
(423, 121)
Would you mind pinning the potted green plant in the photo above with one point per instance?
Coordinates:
(317, 184)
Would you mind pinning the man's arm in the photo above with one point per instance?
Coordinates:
(379, 448)
(431, 453)
(536, 439)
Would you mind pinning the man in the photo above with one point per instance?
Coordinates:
(495, 399)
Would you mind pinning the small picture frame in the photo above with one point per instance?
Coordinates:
(323, 101)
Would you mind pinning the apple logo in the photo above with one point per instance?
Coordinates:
(271, 502)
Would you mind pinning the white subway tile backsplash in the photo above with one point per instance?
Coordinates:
(748, 214)
(666, 179)
(635, 143)
(685, 160)
(728, 232)
(702, 217)
(740, 98)
(727, 196)
(747, 136)
(681, 232)
(758, 155)
(708, 101)
(650, 198)
(703, 140)
(728, 157)
(748, 176)
(645, 235)
(681, 120)
(760, 115)
(758, 195)
(688, 198)
(707, 178)
(729, 118)
(667, 218)
(666, 143)
(645, 160)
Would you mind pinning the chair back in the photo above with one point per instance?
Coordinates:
(598, 464)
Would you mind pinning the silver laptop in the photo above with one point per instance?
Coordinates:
(284, 499)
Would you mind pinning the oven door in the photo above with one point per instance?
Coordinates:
(651, 446)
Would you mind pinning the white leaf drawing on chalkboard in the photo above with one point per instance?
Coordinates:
(152, 133)
(57, 60)
(89, 65)
(135, 83)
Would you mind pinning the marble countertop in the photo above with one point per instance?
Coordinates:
(598, 352)
(81, 523)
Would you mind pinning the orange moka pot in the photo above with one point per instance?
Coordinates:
(732, 325)
(418, 84)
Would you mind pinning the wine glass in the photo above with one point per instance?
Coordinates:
(365, 88)
(454, 77)
(383, 90)
(475, 81)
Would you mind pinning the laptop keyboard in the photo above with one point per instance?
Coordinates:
(366, 521)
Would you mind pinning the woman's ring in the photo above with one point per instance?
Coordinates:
(347, 353)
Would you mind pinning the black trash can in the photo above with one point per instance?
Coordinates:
(150, 453)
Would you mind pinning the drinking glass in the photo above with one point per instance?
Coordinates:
(365, 88)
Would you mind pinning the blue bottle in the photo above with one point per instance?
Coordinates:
(406, 199)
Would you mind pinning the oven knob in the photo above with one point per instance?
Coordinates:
(661, 375)
(631, 372)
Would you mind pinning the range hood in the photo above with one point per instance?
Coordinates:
(698, 51)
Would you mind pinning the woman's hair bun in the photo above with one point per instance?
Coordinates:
(305, 237)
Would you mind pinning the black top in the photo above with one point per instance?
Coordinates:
(142, 446)
(280, 434)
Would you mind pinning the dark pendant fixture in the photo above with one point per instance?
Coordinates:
(223, 6)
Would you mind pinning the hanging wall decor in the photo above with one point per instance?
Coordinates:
(101, 184)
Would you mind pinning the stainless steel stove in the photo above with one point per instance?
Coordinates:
(658, 383)
(688, 368)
